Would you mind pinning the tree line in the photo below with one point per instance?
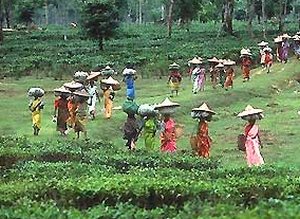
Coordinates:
(108, 14)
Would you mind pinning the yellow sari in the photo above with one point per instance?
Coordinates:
(36, 113)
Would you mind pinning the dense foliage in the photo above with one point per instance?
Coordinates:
(95, 179)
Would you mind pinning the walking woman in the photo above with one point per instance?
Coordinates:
(262, 45)
(198, 78)
(246, 62)
(150, 125)
(81, 118)
(174, 79)
(213, 71)
(268, 58)
(229, 74)
(221, 73)
(278, 42)
(252, 138)
(285, 48)
(108, 86)
(61, 112)
(93, 92)
(168, 132)
(129, 78)
(35, 107)
(201, 142)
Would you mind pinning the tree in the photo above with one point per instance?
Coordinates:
(170, 17)
(100, 19)
(187, 10)
(250, 15)
(227, 16)
(1, 21)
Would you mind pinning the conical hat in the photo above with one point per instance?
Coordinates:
(93, 75)
(297, 38)
(263, 43)
(195, 61)
(204, 108)
(286, 36)
(220, 65)
(73, 85)
(249, 110)
(278, 39)
(214, 59)
(110, 81)
(166, 103)
(246, 52)
(174, 66)
(82, 93)
(62, 90)
(229, 62)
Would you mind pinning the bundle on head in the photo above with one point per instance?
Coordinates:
(257, 116)
(35, 92)
(147, 110)
(80, 76)
(130, 107)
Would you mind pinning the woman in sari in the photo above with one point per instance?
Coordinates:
(129, 78)
(221, 74)
(61, 112)
(35, 107)
(252, 138)
(174, 79)
(229, 74)
(108, 95)
(285, 48)
(131, 131)
(201, 142)
(168, 132)
(150, 129)
(198, 78)
(213, 71)
(268, 59)
(92, 90)
(81, 113)
(246, 63)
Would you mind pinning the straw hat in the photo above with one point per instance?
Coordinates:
(110, 81)
(228, 62)
(249, 110)
(263, 43)
(82, 93)
(278, 39)
(166, 103)
(73, 85)
(297, 38)
(245, 52)
(195, 61)
(93, 75)
(204, 108)
(62, 90)
(214, 59)
(286, 36)
(174, 66)
(220, 65)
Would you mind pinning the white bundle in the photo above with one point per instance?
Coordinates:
(146, 109)
(167, 110)
(80, 76)
(199, 114)
(35, 92)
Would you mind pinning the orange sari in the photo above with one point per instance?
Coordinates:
(202, 140)
(246, 62)
(229, 78)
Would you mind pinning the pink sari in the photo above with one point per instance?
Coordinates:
(252, 144)
(168, 137)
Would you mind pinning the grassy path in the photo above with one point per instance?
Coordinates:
(280, 132)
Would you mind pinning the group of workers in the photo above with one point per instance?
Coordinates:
(76, 101)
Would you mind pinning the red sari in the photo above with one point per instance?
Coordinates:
(61, 105)
(168, 137)
(202, 140)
